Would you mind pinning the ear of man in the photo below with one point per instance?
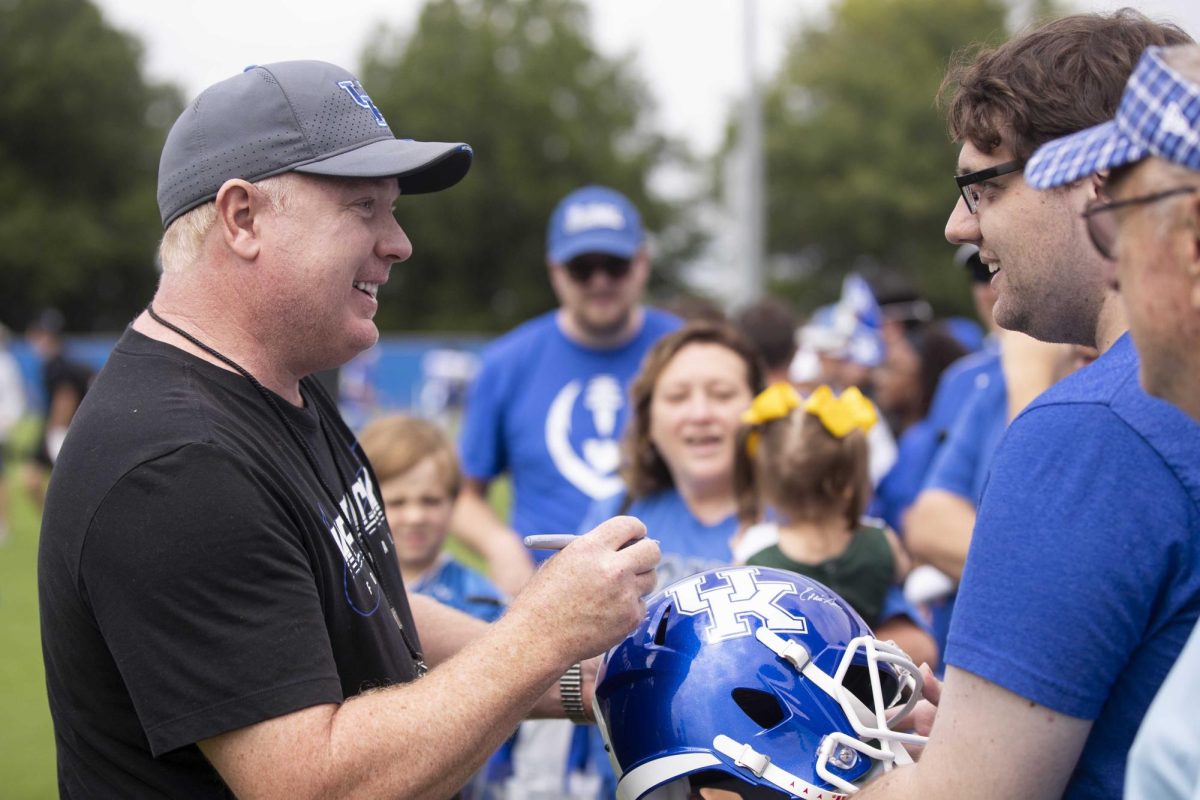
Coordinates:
(239, 209)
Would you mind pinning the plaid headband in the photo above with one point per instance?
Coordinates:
(1159, 116)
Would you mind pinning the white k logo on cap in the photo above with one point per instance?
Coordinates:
(1174, 123)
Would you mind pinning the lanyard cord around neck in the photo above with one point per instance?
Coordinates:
(355, 527)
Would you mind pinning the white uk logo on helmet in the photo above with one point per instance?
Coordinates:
(729, 606)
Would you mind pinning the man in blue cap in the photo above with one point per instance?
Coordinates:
(547, 408)
(548, 405)
(222, 609)
(1147, 226)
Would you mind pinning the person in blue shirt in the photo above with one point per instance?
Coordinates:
(1152, 151)
(905, 385)
(678, 460)
(1077, 594)
(548, 405)
(419, 480)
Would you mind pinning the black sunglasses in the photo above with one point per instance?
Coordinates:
(1102, 226)
(582, 268)
(966, 181)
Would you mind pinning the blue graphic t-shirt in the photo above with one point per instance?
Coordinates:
(688, 545)
(1083, 579)
(550, 413)
(455, 584)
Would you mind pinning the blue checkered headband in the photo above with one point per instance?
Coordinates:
(1159, 116)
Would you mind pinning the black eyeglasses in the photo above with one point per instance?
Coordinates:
(965, 182)
(1102, 226)
(582, 268)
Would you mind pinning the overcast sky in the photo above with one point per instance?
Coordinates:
(690, 52)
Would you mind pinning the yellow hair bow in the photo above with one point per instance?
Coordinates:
(775, 402)
(842, 414)
(839, 414)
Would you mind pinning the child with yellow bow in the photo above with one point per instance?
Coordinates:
(801, 478)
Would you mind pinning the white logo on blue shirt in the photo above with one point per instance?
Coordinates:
(591, 469)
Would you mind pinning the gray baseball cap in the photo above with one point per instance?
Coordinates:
(293, 116)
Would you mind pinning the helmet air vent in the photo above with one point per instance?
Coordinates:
(762, 707)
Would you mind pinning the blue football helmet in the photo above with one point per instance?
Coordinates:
(756, 680)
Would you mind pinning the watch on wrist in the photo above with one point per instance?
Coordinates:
(570, 693)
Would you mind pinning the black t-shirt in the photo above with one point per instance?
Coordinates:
(195, 577)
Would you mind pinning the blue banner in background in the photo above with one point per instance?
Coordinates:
(419, 374)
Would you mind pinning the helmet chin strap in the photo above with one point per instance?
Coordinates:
(746, 757)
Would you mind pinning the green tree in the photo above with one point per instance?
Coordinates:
(80, 132)
(546, 113)
(859, 163)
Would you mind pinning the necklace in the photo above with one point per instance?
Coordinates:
(356, 526)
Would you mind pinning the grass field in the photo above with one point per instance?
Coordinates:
(26, 739)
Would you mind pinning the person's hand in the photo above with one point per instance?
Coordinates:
(588, 596)
(920, 721)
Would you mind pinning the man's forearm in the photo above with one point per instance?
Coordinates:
(938, 530)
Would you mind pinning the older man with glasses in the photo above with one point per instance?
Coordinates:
(1147, 225)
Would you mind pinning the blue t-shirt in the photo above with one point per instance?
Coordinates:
(550, 413)
(455, 584)
(959, 382)
(922, 444)
(962, 464)
(1083, 579)
(899, 488)
(961, 467)
(688, 545)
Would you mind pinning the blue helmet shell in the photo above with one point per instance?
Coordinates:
(697, 689)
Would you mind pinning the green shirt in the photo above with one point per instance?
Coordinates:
(862, 574)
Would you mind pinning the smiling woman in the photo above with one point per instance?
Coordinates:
(678, 452)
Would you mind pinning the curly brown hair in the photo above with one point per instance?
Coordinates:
(1053, 80)
(642, 467)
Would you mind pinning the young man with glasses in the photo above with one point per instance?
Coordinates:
(548, 408)
(1147, 226)
(1075, 598)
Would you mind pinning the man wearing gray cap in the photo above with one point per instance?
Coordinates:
(1147, 226)
(221, 606)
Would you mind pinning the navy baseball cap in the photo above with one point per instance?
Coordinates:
(293, 116)
(1159, 116)
(594, 219)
